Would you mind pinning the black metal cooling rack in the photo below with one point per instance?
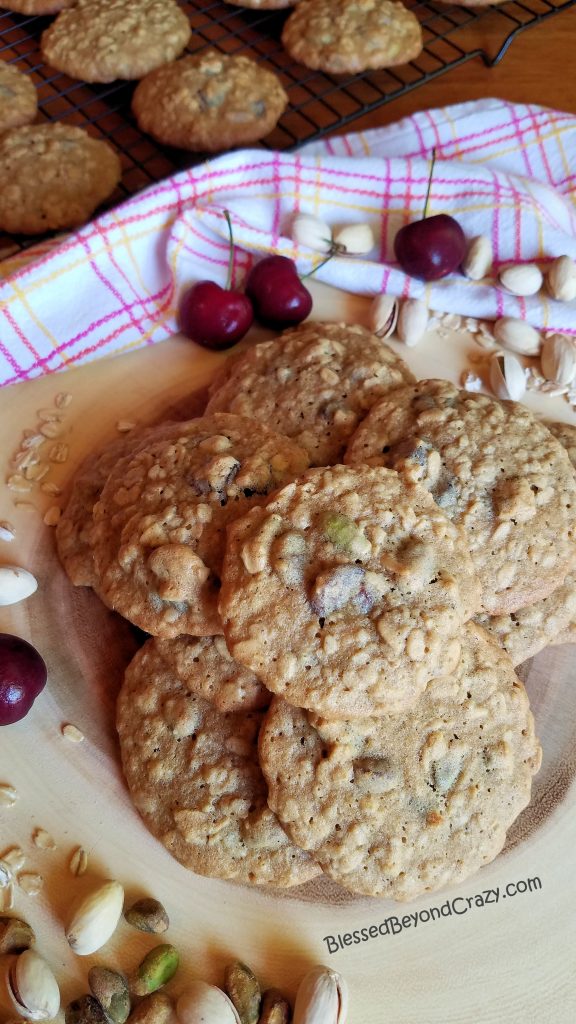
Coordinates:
(319, 103)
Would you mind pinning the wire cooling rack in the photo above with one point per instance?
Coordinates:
(318, 103)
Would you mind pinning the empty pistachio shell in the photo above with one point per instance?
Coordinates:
(148, 915)
(478, 259)
(30, 987)
(507, 377)
(111, 990)
(275, 1009)
(15, 935)
(156, 1008)
(312, 232)
(561, 279)
(558, 359)
(517, 335)
(155, 970)
(205, 1004)
(242, 986)
(322, 998)
(384, 315)
(86, 1010)
(16, 584)
(412, 321)
(95, 918)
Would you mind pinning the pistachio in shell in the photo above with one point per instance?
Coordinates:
(85, 1010)
(156, 969)
(110, 988)
(275, 1008)
(148, 915)
(15, 935)
(242, 986)
(156, 1008)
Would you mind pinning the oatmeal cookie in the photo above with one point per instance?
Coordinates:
(214, 674)
(194, 776)
(18, 102)
(209, 102)
(314, 383)
(103, 40)
(159, 525)
(53, 176)
(495, 470)
(36, 7)
(347, 591)
(347, 36)
(402, 805)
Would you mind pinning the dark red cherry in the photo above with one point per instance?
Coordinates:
(430, 248)
(22, 677)
(215, 317)
(279, 297)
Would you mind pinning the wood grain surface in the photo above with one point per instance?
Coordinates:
(460, 956)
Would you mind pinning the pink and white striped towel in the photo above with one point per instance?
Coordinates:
(506, 171)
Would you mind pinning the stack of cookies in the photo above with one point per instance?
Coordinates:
(317, 693)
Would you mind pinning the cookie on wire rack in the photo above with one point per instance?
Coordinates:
(209, 102)
(348, 36)
(18, 101)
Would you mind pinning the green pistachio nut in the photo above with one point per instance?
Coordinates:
(111, 990)
(345, 535)
(15, 935)
(156, 969)
(85, 1010)
(242, 986)
(275, 1008)
(148, 915)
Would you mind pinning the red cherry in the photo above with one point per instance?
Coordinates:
(22, 677)
(430, 248)
(279, 297)
(213, 316)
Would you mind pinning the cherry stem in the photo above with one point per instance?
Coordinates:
(335, 250)
(429, 184)
(231, 254)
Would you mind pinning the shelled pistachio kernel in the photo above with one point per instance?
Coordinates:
(85, 1010)
(275, 1008)
(157, 1008)
(15, 935)
(148, 915)
(242, 986)
(155, 970)
(110, 988)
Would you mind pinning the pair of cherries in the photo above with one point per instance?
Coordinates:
(217, 317)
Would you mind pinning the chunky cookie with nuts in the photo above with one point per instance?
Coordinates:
(209, 102)
(401, 805)
(347, 591)
(18, 102)
(103, 40)
(194, 776)
(216, 676)
(495, 470)
(159, 526)
(347, 36)
(313, 383)
(53, 176)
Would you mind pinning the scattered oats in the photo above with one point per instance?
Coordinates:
(451, 321)
(15, 857)
(52, 515)
(25, 459)
(37, 472)
(51, 429)
(49, 416)
(78, 861)
(471, 381)
(7, 898)
(72, 733)
(553, 390)
(534, 380)
(30, 882)
(486, 341)
(472, 324)
(34, 441)
(24, 504)
(62, 400)
(7, 531)
(16, 482)
(42, 839)
(5, 874)
(433, 323)
(59, 453)
(50, 488)
(124, 426)
(8, 795)
(28, 433)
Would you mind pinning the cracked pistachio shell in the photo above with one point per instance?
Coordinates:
(242, 986)
(561, 279)
(16, 584)
(15, 935)
(355, 239)
(95, 918)
(201, 1003)
(507, 377)
(156, 969)
(110, 988)
(29, 987)
(384, 315)
(322, 998)
(312, 232)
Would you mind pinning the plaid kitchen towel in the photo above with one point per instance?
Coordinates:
(503, 170)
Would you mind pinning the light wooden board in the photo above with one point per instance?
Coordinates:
(457, 957)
